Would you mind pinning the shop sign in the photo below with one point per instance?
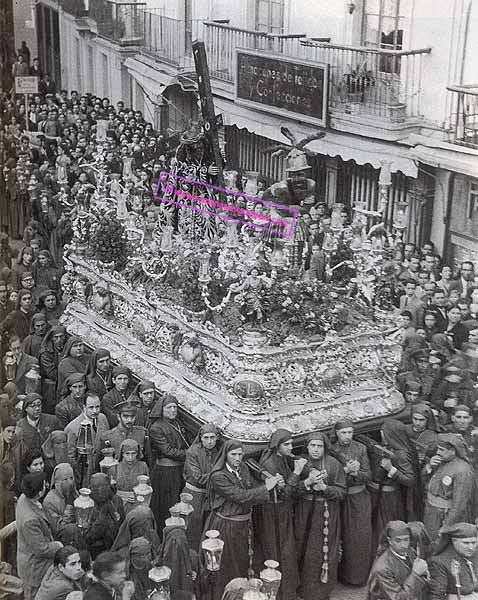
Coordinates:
(294, 88)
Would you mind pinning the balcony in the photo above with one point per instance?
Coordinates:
(120, 22)
(464, 115)
(76, 8)
(170, 40)
(363, 81)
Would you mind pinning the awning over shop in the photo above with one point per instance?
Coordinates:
(451, 160)
(154, 79)
(347, 146)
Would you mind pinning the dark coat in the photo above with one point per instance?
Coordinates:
(35, 545)
(442, 580)
(392, 579)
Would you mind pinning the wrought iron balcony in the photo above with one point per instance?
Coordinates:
(464, 115)
(170, 40)
(121, 22)
(363, 80)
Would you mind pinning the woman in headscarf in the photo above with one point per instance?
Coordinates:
(98, 373)
(197, 468)
(49, 357)
(47, 276)
(232, 492)
(71, 398)
(317, 520)
(32, 343)
(274, 521)
(58, 503)
(443, 346)
(356, 511)
(18, 321)
(168, 448)
(24, 263)
(55, 449)
(451, 485)
(129, 468)
(50, 306)
(392, 474)
(73, 360)
(108, 514)
(176, 554)
(139, 522)
(138, 564)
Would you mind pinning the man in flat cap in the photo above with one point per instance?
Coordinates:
(450, 485)
(127, 412)
(397, 573)
(454, 565)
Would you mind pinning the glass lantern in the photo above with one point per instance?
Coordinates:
(175, 520)
(10, 364)
(109, 464)
(83, 506)
(213, 548)
(271, 579)
(254, 591)
(33, 380)
(84, 442)
(185, 507)
(142, 490)
(159, 578)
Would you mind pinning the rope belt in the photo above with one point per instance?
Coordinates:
(355, 489)
(193, 488)
(438, 502)
(373, 485)
(239, 518)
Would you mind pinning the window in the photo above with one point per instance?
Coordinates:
(472, 208)
(270, 16)
(383, 28)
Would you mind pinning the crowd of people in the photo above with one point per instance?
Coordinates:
(397, 514)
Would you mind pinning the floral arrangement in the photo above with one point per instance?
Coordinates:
(109, 243)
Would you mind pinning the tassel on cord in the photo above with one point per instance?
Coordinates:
(324, 574)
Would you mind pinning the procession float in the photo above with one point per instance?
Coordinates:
(249, 328)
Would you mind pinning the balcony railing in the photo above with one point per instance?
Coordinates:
(170, 39)
(222, 40)
(121, 22)
(370, 81)
(464, 115)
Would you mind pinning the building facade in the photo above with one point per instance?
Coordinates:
(393, 82)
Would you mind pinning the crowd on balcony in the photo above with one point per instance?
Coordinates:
(397, 516)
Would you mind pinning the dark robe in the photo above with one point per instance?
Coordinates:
(268, 516)
(176, 555)
(105, 524)
(388, 497)
(316, 511)
(49, 359)
(32, 344)
(391, 578)
(32, 438)
(17, 323)
(442, 580)
(356, 517)
(108, 403)
(67, 410)
(69, 365)
(168, 451)
(197, 468)
(99, 386)
(231, 502)
(451, 485)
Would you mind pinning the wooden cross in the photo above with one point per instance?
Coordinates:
(211, 121)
